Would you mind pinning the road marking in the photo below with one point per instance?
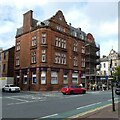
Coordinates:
(16, 103)
(26, 102)
(88, 105)
(17, 99)
(73, 96)
(50, 115)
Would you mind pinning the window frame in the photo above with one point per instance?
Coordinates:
(43, 75)
(43, 40)
(34, 41)
(33, 57)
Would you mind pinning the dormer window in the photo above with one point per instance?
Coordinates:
(60, 28)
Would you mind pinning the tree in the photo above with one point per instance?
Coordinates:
(116, 74)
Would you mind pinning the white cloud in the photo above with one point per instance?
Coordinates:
(108, 28)
(6, 27)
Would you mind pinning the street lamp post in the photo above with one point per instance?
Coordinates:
(113, 103)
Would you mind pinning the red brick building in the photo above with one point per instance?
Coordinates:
(7, 62)
(48, 54)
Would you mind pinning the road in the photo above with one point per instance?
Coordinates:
(40, 105)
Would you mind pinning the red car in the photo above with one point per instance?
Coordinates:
(73, 90)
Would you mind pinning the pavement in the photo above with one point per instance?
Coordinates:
(102, 113)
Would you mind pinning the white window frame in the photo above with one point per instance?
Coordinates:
(56, 41)
(43, 77)
(43, 58)
(34, 76)
(17, 60)
(75, 78)
(54, 77)
(83, 49)
(25, 79)
(43, 51)
(18, 46)
(56, 58)
(75, 61)
(62, 43)
(59, 42)
(65, 44)
(65, 79)
(43, 38)
(33, 57)
(34, 42)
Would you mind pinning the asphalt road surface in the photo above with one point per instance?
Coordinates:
(40, 105)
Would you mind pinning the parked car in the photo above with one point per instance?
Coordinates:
(117, 90)
(73, 90)
(11, 88)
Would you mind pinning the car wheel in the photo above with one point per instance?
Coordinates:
(3, 90)
(84, 91)
(64, 93)
(9, 90)
(71, 92)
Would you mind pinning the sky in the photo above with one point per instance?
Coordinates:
(92, 16)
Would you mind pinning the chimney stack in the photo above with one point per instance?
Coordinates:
(27, 21)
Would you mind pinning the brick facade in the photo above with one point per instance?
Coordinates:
(7, 66)
(48, 54)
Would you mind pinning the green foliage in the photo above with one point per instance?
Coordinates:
(116, 73)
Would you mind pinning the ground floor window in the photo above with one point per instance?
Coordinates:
(54, 77)
(34, 79)
(17, 79)
(65, 79)
(25, 78)
(43, 77)
(75, 78)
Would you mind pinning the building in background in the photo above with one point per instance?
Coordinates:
(49, 54)
(7, 66)
(104, 72)
(8, 62)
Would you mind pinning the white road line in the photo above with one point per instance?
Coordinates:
(74, 96)
(88, 105)
(49, 116)
(16, 103)
(17, 99)
(26, 102)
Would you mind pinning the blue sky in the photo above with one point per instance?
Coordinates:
(99, 18)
